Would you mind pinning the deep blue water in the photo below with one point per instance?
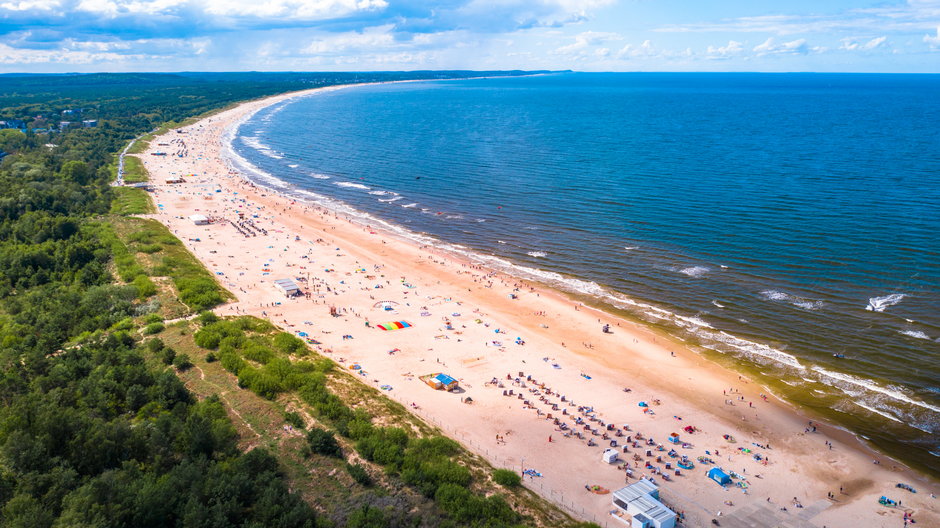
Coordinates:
(757, 215)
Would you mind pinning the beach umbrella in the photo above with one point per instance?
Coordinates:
(643, 404)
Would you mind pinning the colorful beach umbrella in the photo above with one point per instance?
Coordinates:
(397, 325)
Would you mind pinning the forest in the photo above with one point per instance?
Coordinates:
(96, 426)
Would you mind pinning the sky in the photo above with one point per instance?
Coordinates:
(360, 35)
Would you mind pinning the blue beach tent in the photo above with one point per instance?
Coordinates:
(719, 476)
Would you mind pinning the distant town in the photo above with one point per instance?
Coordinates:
(59, 122)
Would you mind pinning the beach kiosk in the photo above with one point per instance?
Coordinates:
(610, 456)
(199, 219)
(288, 287)
(174, 179)
(719, 476)
(640, 502)
(442, 382)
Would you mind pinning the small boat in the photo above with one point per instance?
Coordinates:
(839, 356)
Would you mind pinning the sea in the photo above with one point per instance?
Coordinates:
(783, 225)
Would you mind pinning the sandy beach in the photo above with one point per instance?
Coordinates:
(550, 390)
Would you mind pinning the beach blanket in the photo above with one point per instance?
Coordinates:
(397, 325)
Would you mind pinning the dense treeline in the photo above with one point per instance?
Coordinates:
(95, 438)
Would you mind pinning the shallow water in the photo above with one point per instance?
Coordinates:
(772, 220)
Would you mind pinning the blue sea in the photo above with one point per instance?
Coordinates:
(773, 221)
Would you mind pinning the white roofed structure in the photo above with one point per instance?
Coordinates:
(199, 219)
(288, 287)
(640, 500)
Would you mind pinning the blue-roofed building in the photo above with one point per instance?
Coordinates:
(442, 382)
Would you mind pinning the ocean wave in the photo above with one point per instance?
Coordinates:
(320, 176)
(695, 271)
(892, 392)
(799, 302)
(382, 193)
(718, 304)
(352, 185)
(537, 254)
(879, 304)
(409, 206)
(877, 411)
(914, 333)
(293, 165)
(631, 248)
(390, 200)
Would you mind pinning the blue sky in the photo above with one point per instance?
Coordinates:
(588, 35)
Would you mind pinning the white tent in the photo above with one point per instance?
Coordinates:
(199, 219)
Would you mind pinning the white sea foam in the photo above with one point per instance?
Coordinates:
(878, 304)
(293, 165)
(380, 193)
(718, 304)
(799, 302)
(320, 176)
(890, 391)
(537, 254)
(914, 333)
(500, 242)
(409, 206)
(352, 185)
(454, 217)
(695, 271)
(876, 411)
(631, 248)
(390, 200)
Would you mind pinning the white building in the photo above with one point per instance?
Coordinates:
(199, 219)
(640, 501)
(288, 287)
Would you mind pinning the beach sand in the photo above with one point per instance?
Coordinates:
(465, 323)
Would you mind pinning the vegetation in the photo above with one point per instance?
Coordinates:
(96, 428)
(507, 478)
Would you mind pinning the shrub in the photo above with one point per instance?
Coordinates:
(367, 517)
(145, 287)
(153, 318)
(182, 362)
(207, 318)
(359, 474)
(294, 420)
(210, 357)
(507, 478)
(206, 338)
(322, 442)
(167, 356)
(289, 344)
(155, 344)
(153, 328)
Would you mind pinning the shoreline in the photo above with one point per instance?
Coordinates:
(776, 423)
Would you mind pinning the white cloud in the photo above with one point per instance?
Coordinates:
(379, 38)
(586, 39)
(853, 45)
(933, 40)
(733, 49)
(770, 47)
(11, 55)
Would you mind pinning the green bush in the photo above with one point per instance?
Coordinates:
(210, 357)
(367, 517)
(182, 362)
(167, 355)
(322, 442)
(207, 338)
(207, 318)
(145, 287)
(153, 328)
(289, 344)
(507, 478)
(359, 474)
(294, 420)
(155, 344)
(153, 318)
